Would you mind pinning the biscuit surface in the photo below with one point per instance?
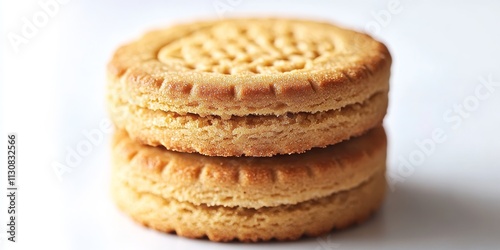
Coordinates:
(249, 87)
(250, 66)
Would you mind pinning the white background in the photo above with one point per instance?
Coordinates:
(52, 89)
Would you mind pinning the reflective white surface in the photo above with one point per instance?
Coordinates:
(53, 89)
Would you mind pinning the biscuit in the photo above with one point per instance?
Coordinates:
(219, 223)
(253, 87)
(249, 181)
(250, 198)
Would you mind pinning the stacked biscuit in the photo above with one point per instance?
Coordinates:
(249, 129)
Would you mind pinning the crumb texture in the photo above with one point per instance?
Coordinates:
(258, 136)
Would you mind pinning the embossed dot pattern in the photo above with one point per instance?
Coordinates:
(236, 48)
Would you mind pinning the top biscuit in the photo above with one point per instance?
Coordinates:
(247, 67)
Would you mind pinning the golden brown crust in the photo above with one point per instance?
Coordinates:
(249, 66)
(219, 223)
(246, 181)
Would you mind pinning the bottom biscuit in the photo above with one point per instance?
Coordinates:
(219, 223)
